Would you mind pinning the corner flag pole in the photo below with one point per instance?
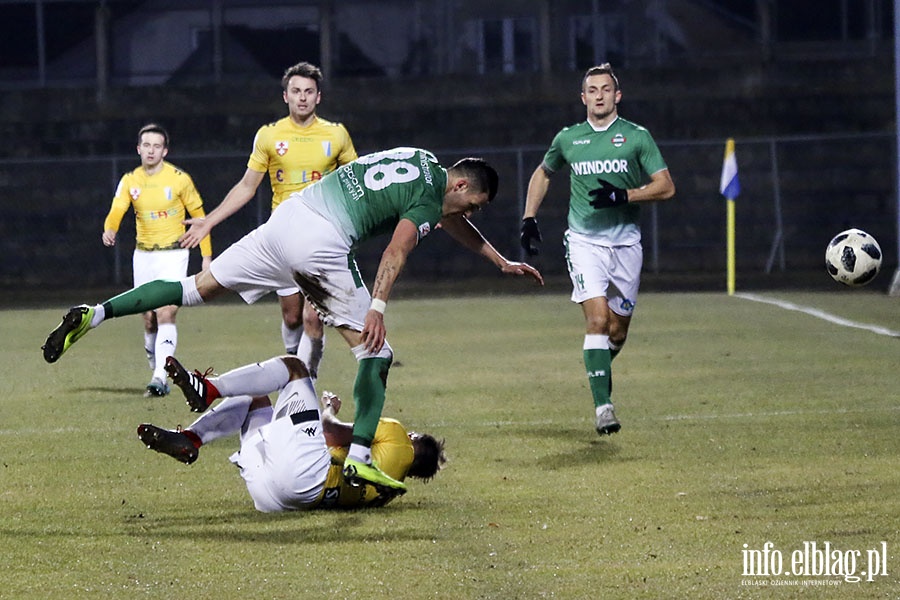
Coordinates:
(730, 187)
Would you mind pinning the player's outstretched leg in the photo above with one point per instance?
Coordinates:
(72, 328)
(198, 393)
(174, 443)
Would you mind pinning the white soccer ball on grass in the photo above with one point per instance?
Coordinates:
(853, 257)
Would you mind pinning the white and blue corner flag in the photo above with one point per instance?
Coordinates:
(729, 186)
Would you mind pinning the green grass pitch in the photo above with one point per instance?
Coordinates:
(743, 423)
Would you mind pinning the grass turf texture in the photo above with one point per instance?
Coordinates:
(742, 423)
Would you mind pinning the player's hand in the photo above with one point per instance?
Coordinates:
(374, 331)
(531, 236)
(332, 401)
(607, 195)
(520, 268)
(198, 229)
(109, 238)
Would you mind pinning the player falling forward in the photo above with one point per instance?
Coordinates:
(291, 454)
(309, 241)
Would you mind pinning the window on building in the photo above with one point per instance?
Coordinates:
(508, 45)
(595, 39)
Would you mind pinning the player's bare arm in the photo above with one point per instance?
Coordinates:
(537, 190)
(404, 239)
(462, 230)
(237, 197)
(337, 433)
(109, 238)
(660, 187)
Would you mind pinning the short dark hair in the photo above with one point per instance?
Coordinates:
(154, 128)
(302, 69)
(482, 176)
(428, 457)
(604, 69)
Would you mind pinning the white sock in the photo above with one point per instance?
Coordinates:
(166, 342)
(292, 338)
(223, 419)
(310, 352)
(99, 315)
(189, 294)
(257, 379)
(150, 349)
(361, 453)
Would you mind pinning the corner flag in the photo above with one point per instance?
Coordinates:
(729, 186)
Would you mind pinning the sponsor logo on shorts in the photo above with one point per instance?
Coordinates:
(627, 304)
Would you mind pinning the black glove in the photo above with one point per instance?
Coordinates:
(607, 195)
(531, 236)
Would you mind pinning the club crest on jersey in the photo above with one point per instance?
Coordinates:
(618, 140)
(135, 193)
(281, 148)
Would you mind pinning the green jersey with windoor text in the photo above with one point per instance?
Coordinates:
(369, 196)
(624, 155)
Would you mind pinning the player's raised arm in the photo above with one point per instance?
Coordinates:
(236, 198)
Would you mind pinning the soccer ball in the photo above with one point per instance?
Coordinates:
(853, 257)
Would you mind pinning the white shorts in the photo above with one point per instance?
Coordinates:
(607, 272)
(285, 462)
(288, 291)
(159, 264)
(297, 247)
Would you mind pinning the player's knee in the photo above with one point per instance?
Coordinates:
(296, 368)
(292, 319)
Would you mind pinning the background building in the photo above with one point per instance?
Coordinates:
(806, 87)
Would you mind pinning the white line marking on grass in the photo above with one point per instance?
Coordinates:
(821, 314)
(778, 413)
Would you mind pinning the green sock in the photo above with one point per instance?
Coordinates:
(368, 394)
(143, 298)
(597, 363)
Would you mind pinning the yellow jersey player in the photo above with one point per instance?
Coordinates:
(291, 455)
(296, 151)
(162, 196)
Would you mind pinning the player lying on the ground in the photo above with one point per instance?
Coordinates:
(291, 456)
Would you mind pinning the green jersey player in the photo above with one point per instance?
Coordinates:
(309, 242)
(613, 165)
